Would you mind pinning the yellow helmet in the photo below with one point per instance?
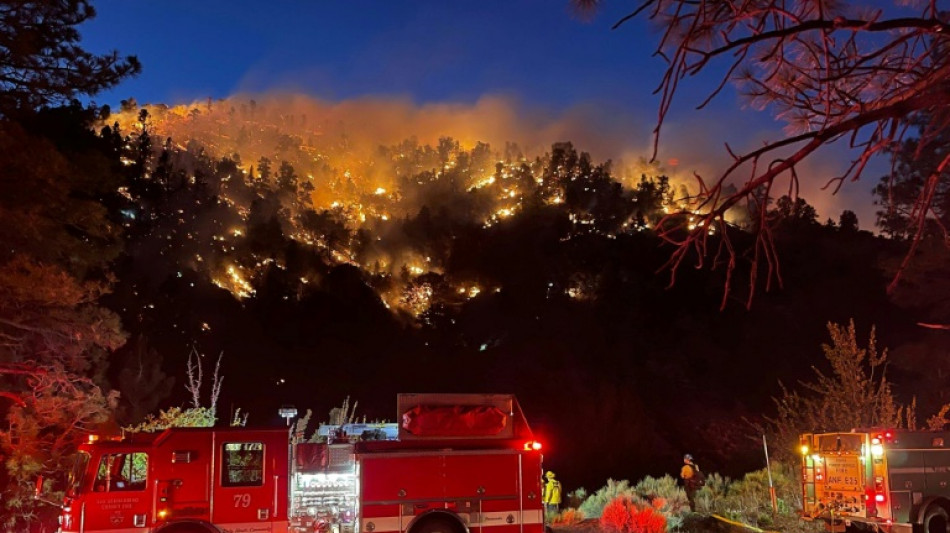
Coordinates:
(549, 475)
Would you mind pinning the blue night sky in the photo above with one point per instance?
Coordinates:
(535, 53)
(427, 50)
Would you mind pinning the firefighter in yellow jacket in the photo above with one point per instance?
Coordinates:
(552, 493)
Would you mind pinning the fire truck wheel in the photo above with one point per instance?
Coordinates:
(935, 521)
(438, 524)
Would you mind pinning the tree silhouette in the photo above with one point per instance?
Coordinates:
(915, 161)
(796, 212)
(848, 221)
(831, 71)
(41, 62)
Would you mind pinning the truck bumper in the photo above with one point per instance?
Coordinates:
(878, 526)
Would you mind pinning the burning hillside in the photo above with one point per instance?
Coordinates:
(349, 185)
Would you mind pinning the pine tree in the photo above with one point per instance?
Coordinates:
(41, 62)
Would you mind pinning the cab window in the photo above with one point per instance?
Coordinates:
(841, 442)
(74, 482)
(122, 472)
(242, 464)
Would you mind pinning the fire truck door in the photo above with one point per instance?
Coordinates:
(119, 500)
(245, 495)
(183, 490)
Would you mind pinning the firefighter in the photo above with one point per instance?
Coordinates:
(692, 480)
(552, 493)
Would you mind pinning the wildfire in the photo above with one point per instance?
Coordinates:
(350, 200)
(235, 283)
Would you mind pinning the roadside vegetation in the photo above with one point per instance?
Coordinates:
(658, 505)
(854, 393)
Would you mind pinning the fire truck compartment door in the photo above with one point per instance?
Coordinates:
(481, 475)
(937, 471)
(482, 487)
(491, 480)
(396, 478)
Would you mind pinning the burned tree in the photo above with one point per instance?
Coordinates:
(832, 71)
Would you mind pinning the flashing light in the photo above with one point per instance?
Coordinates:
(532, 445)
(92, 438)
(162, 514)
(877, 449)
(804, 449)
(879, 497)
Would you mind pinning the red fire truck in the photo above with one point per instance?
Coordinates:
(455, 464)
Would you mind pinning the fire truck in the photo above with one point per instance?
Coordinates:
(877, 479)
(452, 464)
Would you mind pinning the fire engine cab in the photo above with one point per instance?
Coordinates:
(453, 464)
(878, 479)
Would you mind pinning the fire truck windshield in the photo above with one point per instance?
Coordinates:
(840, 442)
(74, 482)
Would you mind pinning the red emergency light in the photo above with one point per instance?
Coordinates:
(532, 445)
(882, 438)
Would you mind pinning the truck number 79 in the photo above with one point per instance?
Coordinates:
(242, 500)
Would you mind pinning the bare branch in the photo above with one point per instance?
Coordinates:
(830, 70)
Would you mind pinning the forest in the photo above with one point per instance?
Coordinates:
(317, 263)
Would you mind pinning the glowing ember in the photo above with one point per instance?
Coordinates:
(235, 283)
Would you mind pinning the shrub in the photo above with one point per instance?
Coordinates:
(594, 505)
(568, 517)
(666, 497)
(626, 514)
(576, 497)
(714, 492)
(748, 501)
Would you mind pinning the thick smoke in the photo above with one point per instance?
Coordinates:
(347, 135)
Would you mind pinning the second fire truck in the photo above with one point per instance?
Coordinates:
(454, 464)
(878, 479)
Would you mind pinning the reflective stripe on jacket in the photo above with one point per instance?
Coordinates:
(552, 492)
